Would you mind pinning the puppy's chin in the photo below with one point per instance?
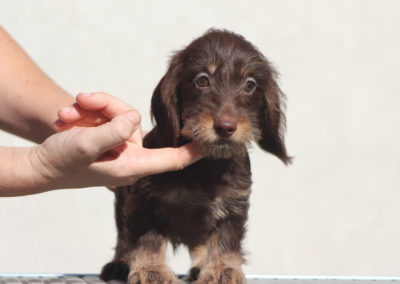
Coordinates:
(222, 150)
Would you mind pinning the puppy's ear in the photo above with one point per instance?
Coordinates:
(272, 118)
(164, 105)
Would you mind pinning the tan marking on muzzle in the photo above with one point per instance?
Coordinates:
(243, 133)
(204, 129)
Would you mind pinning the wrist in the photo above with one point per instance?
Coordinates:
(19, 173)
(42, 174)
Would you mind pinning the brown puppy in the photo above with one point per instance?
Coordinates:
(221, 93)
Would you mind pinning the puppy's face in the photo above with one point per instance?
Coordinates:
(220, 92)
(221, 96)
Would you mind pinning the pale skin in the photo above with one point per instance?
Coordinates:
(99, 143)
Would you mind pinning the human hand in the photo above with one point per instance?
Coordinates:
(108, 150)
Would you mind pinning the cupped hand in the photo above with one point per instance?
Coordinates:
(100, 143)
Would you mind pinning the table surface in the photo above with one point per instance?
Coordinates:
(251, 279)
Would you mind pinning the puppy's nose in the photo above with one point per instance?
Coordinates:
(225, 126)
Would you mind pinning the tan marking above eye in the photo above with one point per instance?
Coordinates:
(212, 68)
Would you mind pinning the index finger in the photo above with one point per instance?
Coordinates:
(108, 105)
(74, 114)
(160, 160)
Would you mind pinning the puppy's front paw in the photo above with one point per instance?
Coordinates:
(115, 270)
(192, 275)
(221, 275)
(159, 274)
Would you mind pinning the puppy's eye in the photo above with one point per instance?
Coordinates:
(250, 85)
(202, 81)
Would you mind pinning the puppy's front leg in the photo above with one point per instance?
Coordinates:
(225, 255)
(147, 261)
(199, 258)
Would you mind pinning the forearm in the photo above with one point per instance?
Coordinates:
(29, 98)
(19, 174)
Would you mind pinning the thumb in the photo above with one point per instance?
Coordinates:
(167, 159)
(111, 134)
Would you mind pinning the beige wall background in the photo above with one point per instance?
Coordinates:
(334, 211)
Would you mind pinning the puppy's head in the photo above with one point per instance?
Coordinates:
(221, 93)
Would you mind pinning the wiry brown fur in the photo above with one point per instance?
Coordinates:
(203, 206)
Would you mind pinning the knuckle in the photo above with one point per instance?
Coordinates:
(84, 148)
(83, 143)
(121, 130)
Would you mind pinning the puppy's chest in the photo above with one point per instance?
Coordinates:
(186, 210)
(216, 195)
(197, 196)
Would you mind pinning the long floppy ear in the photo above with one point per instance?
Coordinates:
(164, 105)
(272, 119)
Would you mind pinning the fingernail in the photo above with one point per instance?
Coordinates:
(87, 94)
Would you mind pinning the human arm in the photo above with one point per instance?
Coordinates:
(109, 154)
(29, 98)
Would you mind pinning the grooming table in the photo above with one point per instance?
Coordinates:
(251, 279)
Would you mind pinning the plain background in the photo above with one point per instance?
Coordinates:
(334, 211)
